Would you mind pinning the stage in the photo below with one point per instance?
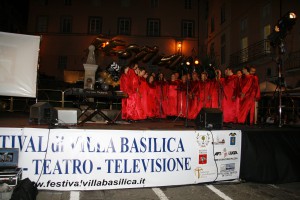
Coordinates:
(269, 154)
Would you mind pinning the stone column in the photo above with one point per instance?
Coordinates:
(90, 69)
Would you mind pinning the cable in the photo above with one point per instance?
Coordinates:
(213, 142)
(44, 157)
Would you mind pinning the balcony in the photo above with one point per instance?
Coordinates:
(292, 63)
(259, 50)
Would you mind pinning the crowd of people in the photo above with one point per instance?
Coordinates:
(183, 95)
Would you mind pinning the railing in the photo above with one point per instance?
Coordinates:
(56, 98)
(293, 61)
(251, 53)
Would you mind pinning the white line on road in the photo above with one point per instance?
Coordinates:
(161, 195)
(74, 195)
(218, 192)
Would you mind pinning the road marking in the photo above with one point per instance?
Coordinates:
(218, 192)
(74, 195)
(161, 195)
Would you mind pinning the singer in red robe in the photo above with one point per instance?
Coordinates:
(246, 96)
(143, 91)
(161, 96)
(152, 98)
(124, 87)
(216, 90)
(181, 97)
(229, 107)
(202, 94)
(193, 102)
(172, 96)
(255, 94)
(134, 106)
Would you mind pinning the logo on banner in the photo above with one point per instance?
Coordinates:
(219, 142)
(232, 138)
(227, 169)
(203, 140)
(202, 159)
(198, 172)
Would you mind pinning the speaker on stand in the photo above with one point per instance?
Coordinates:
(209, 118)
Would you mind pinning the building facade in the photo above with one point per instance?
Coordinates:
(238, 35)
(68, 27)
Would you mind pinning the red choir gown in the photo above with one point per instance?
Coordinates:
(124, 88)
(134, 105)
(229, 101)
(202, 94)
(246, 101)
(143, 90)
(216, 92)
(161, 98)
(193, 101)
(256, 96)
(181, 99)
(152, 101)
(172, 98)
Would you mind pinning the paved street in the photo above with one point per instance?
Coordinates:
(236, 191)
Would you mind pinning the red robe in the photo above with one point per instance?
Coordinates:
(216, 92)
(247, 101)
(134, 105)
(124, 88)
(172, 98)
(255, 94)
(229, 101)
(152, 101)
(193, 101)
(202, 94)
(161, 98)
(181, 99)
(143, 90)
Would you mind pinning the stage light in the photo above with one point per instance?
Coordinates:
(281, 29)
(196, 61)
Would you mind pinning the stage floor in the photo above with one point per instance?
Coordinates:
(22, 119)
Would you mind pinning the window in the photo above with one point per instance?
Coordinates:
(244, 52)
(153, 27)
(124, 26)
(67, 2)
(125, 3)
(66, 24)
(244, 24)
(188, 4)
(223, 17)
(42, 24)
(212, 50)
(154, 3)
(62, 62)
(95, 25)
(187, 28)
(43, 2)
(212, 24)
(266, 12)
(267, 31)
(223, 49)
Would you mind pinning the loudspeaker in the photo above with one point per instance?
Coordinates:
(209, 118)
(66, 116)
(41, 113)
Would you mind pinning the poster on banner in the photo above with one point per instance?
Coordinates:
(78, 159)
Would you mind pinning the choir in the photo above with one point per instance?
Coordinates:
(153, 96)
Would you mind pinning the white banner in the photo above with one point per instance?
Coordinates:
(78, 159)
(18, 64)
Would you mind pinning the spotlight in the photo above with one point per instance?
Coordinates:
(283, 25)
(196, 61)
